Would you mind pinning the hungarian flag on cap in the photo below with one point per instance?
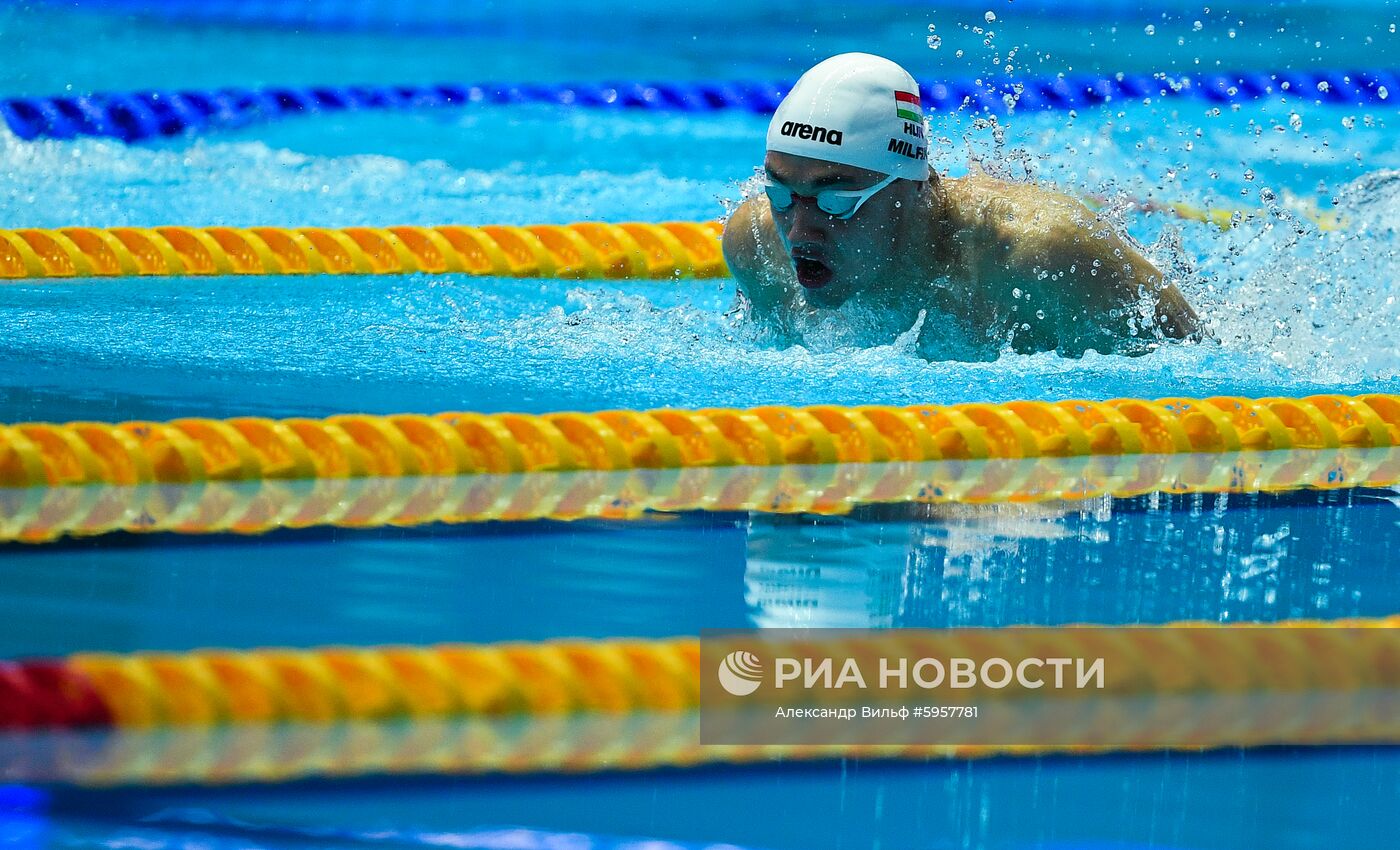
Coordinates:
(906, 105)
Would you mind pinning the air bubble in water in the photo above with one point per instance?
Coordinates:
(1382, 93)
(1150, 29)
(1249, 174)
(1196, 26)
(935, 42)
(1323, 86)
(1295, 121)
(989, 17)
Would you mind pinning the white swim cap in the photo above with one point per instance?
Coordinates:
(855, 109)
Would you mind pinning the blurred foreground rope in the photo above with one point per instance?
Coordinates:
(622, 676)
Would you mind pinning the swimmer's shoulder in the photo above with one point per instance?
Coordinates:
(979, 209)
(749, 237)
(1005, 212)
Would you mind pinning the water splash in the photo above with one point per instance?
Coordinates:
(1293, 309)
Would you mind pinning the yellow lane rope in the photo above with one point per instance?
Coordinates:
(43, 514)
(447, 444)
(1222, 217)
(620, 676)
(584, 250)
(631, 250)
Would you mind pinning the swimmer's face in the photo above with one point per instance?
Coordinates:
(834, 258)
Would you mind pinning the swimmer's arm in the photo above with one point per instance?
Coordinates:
(750, 246)
(1106, 278)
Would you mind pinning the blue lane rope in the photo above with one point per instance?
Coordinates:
(453, 17)
(137, 116)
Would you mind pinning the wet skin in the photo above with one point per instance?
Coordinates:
(993, 265)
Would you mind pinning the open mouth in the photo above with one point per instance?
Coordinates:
(813, 274)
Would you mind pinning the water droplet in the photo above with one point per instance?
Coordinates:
(1150, 29)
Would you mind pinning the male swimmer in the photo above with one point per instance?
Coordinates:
(853, 215)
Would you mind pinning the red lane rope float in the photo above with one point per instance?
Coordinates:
(44, 514)
(357, 445)
(621, 676)
(631, 250)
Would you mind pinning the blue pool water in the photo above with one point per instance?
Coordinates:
(1294, 310)
(1146, 560)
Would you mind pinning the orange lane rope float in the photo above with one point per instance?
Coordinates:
(622, 676)
(43, 514)
(572, 251)
(447, 444)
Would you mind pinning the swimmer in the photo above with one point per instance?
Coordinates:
(852, 214)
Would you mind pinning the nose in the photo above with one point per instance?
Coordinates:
(806, 221)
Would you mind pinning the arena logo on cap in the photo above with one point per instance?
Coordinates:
(809, 131)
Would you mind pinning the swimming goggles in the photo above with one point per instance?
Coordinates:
(837, 203)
